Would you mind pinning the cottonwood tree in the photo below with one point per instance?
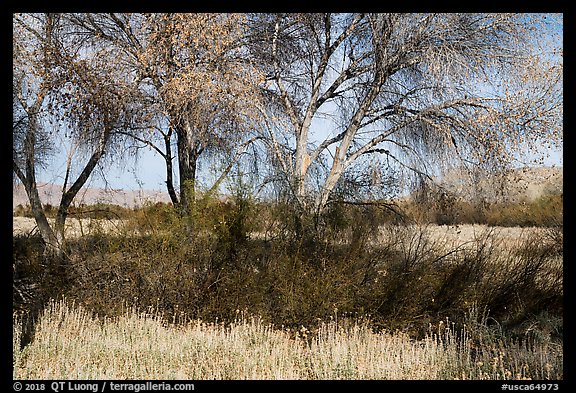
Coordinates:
(419, 90)
(199, 89)
(32, 81)
(207, 88)
(64, 89)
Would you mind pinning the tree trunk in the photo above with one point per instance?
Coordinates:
(341, 161)
(46, 232)
(331, 181)
(169, 176)
(187, 164)
(301, 164)
(69, 195)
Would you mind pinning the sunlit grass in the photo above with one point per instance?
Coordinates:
(71, 343)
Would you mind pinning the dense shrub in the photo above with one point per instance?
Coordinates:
(446, 209)
(22, 211)
(546, 210)
(230, 256)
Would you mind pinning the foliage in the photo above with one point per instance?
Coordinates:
(405, 93)
(421, 91)
(444, 208)
(546, 210)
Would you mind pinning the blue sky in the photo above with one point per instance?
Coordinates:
(150, 172)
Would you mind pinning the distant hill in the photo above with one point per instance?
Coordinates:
(518, 184)
(51, 194)
(515, 185)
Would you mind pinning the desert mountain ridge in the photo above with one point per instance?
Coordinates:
(51, 193)
(513, 185)
(523, 183)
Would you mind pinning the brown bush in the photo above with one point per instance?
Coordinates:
(341, 265)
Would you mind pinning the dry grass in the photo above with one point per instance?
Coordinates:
(74, 226)
(453, 235)
(72, 344)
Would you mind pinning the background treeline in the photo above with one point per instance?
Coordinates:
(439, 208)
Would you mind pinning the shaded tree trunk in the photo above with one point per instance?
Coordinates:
(48, 236)
(28, 178)
(169, 174)
(188, 153)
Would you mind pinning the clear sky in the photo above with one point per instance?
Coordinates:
(149, 173)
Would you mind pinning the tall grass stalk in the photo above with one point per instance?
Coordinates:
(71, 343)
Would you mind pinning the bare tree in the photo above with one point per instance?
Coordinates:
(63, 85)
(65, 88)
(416, 89)
(199, 90)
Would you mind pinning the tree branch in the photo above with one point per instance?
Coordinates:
(241, 150)
(387, 152)
(144, 141)
(277, 77)
(418, 115)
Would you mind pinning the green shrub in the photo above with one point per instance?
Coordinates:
(544, 211)
(152, 216)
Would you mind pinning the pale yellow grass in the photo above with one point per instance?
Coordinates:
(72, 344)
(74, 226)
(447, 237)
(453, 236)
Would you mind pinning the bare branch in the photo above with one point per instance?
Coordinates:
(241, 150)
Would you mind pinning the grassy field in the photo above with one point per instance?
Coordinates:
(452, 235)
(73, 344)
(74, 227)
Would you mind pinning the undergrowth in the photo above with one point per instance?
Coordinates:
(232, 257)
